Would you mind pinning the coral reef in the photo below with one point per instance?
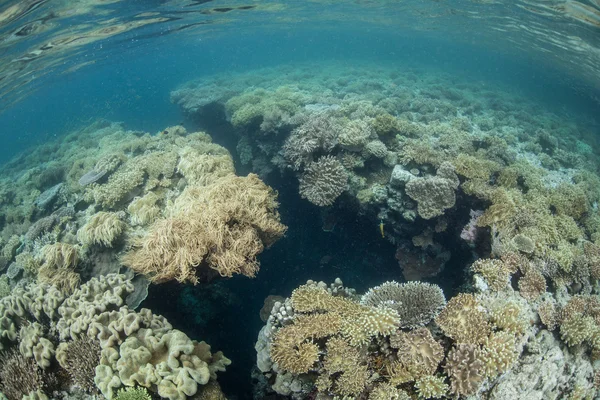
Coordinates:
(101, 343)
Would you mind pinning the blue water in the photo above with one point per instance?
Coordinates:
(133, 85)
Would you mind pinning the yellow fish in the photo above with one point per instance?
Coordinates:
(381, 228)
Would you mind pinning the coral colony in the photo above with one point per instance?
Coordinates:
(90, 221)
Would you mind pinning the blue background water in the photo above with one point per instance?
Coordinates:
(133, 84)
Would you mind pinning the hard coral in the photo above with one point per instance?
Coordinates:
(417, 303)
(436, 193)
(323, 181)
(80, 358)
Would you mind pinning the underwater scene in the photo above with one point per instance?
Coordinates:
(301, 200)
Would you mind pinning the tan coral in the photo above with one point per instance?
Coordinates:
(464, 320)
(103, 229)
(418, 351)
(465, 369)
(431, 387)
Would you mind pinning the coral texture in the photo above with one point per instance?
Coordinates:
(222, 226)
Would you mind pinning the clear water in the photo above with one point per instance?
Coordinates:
(64, 64)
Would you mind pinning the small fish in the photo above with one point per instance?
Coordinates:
(381, 228)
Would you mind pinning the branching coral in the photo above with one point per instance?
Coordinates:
(80, 358)
(19, 376)
(103, 229)
(223, 226)
(323, 181)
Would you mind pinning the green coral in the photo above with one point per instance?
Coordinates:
(133, 393)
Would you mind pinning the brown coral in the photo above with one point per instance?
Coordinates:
(418, 351)
(223, 226)
(465, 369)
(463, 320)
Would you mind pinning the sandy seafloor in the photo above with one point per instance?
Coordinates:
(293, 220)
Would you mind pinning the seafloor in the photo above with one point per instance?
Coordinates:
(486, 198)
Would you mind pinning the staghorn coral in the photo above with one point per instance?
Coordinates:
(103, 229)
(223, 226)
(19, 376)
(465, 368)
(464, 320)
(434, 194)
(80, 358)
(417, 303)
(323, 181)
(431, 387)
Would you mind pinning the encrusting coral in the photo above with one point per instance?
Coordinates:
(222, 226)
